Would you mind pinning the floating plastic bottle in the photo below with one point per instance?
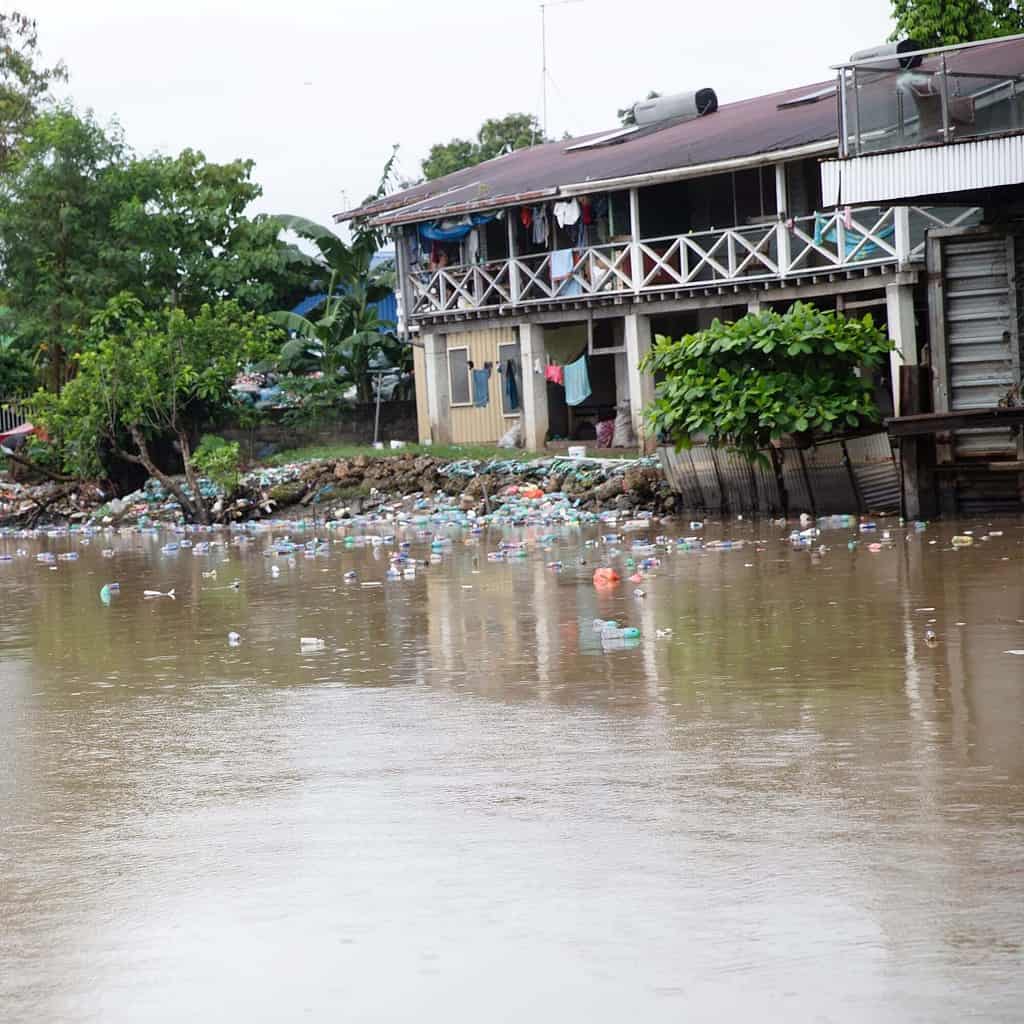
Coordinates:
(614, 632)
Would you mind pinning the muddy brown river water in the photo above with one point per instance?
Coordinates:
(461, 808)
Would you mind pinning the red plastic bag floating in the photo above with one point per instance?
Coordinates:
(604, 578)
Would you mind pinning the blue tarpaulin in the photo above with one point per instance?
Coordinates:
(434, 232)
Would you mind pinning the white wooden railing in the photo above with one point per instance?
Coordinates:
(12, 415)
(798, 247)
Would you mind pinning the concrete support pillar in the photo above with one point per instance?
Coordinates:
(754, 306)
(435, 350)
(899, 310)
(535, 390)
(621, 378)
(641, 383)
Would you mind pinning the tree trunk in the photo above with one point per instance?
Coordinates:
(145, 459)
(202, 513)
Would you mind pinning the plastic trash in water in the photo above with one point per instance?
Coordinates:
(311, 643)
(962, 540)
(611, 632)
(106, 593)
(234, 639)
(696, 525)
(350, 577)
(158, 593)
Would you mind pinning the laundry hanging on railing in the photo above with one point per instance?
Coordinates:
(555, 374)
(577, 382)
(825, 231)
(455, 228)
(562, 262)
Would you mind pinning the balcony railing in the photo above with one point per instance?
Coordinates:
(931, 97)
(843, 239)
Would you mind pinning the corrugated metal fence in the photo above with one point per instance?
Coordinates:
(847, 476)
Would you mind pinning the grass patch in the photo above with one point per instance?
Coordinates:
(454, 452)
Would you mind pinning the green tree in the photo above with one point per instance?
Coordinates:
(17, 373)
(82, 219)
(497, 135)
(24, 84)
(147, 376)
(345, 335)
(947, 22)
(185, 239)
(744, 384)
(59, 256)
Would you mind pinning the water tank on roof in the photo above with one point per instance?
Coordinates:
(893, 50)
(682, 106)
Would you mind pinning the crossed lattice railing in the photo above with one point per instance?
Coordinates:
(844, 238)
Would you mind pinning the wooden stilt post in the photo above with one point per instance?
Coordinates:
(917, 452)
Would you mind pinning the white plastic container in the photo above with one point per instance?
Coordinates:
(577, 451)
(397, 444)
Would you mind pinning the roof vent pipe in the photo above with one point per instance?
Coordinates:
(893, 50)
(682, 106)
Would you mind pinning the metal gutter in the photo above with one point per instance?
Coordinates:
(456, 209)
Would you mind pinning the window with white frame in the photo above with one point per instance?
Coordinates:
(511, 397)
(458, 376)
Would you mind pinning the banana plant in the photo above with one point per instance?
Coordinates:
(346, 332)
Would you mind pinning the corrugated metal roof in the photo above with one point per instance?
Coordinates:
(387, 309)
(743, 130)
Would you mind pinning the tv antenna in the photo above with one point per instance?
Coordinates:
(544, 58)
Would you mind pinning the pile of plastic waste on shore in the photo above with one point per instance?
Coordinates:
(337, 488)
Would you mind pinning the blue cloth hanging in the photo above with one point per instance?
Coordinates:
(577, 382)
(481, 387)
(511, 386)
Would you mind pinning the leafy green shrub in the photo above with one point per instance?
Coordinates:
(744, 384)
(218, 460)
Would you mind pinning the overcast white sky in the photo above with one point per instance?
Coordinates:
(317, 91)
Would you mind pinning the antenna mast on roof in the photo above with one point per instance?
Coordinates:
(544, 58)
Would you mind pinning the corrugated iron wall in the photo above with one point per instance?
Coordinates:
(838, 477)
(469, 424)
(930, 170)
(976, 277)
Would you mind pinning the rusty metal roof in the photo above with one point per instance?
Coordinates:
(743, 131)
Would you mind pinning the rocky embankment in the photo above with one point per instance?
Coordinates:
(340, 487)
